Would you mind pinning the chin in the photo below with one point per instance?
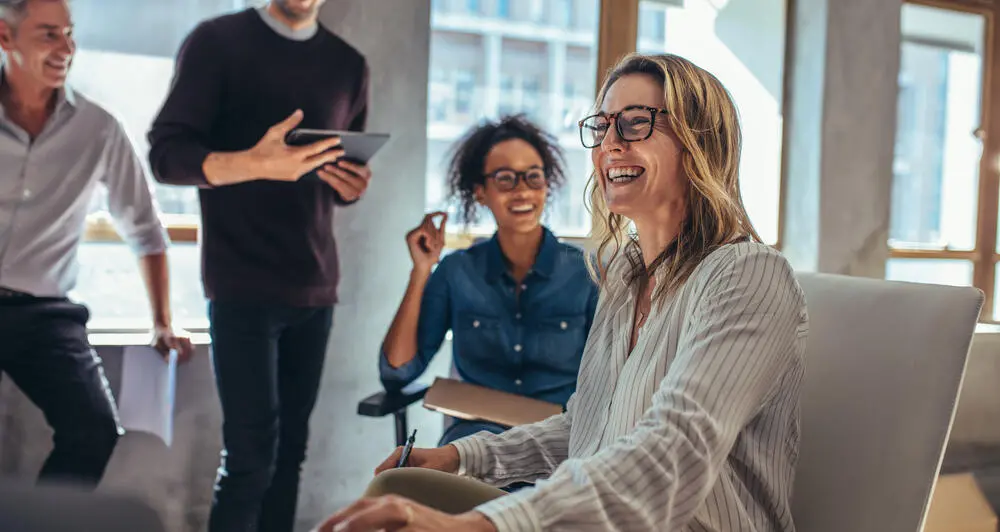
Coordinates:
(54, 82)
(622, 206)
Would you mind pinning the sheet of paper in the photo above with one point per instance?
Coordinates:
(146, 401)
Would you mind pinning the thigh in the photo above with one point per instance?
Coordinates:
(441, 491)
(58, 370)
(245, 358)
(302, 352)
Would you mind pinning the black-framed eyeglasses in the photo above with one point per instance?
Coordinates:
(634, 123)
(506, 179)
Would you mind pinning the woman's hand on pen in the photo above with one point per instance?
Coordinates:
(442, 459)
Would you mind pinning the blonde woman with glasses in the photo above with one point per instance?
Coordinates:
(686, 414)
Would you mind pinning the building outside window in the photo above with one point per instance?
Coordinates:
(530, 63)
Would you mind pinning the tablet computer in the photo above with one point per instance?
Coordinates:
(358, 147)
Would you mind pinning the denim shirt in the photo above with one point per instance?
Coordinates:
(527, 345)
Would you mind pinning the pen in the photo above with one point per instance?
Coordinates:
(406, 450)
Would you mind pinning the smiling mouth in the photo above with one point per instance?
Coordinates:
(624, 174)
(521, 208)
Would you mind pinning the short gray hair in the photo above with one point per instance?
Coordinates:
(12, 11)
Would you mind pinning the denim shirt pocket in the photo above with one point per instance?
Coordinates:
(477, 337)
(560, 342)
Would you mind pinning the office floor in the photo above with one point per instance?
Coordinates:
(981, 460)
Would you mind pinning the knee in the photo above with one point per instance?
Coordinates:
(406, 481)
(387, 483)
(96, 439)
(251, 451)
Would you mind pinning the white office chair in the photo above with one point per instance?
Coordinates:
(884, 364)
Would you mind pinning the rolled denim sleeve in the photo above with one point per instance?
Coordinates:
(434, 323)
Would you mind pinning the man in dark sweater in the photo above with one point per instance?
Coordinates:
(269, 260)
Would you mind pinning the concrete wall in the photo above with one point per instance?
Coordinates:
(841, 122)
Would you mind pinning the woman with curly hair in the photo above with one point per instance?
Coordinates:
(519, 304)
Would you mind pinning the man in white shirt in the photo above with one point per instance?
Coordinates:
(56, 146)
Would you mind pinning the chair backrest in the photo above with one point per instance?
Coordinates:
(884, 365)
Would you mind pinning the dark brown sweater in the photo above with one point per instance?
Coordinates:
(263, 242)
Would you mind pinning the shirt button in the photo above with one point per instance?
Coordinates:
(26, 194)
(517, 316)
(563, 325)
(518, 382)
(475, 324)
(517, 348)
(524, 287)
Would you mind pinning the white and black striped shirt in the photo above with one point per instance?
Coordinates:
(696, 430)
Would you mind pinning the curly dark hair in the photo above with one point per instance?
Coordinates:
(468, 158)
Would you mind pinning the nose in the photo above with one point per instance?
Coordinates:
(67, 45)
(612, 140)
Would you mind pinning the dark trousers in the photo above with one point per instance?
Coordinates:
(45, 351)
(268, 363)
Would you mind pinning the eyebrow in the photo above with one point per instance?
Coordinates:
(44, 26)
(627, 107)
(532, 167)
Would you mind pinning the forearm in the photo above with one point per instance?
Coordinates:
(400, 344)
(521, 454)
(156, 275)
(228, 168)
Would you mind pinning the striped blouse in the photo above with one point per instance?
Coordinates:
(697, 429)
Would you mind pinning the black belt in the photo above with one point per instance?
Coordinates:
(7, 293)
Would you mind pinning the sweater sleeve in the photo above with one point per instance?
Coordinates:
(177, 138)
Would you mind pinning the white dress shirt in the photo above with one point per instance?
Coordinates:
(46, 187)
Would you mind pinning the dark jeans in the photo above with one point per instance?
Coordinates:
(268, 364)
(45, 351)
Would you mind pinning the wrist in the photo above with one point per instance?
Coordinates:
(456, 458)
(420, 273)
(476, 522)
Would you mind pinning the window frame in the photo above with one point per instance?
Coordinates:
(984, 256)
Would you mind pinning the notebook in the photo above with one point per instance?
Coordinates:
(477, 403)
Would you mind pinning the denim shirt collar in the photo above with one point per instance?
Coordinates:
(545, 262)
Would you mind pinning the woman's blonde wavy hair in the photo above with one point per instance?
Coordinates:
(702, 115)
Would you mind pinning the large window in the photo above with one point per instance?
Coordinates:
(124, 61)
(742, 42)
(941, 226)
(536, 57)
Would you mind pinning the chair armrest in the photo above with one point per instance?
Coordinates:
(384, 403)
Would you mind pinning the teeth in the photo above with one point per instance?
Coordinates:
(624, 173)
(521, 208)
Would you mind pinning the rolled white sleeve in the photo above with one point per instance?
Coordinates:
(130, 196)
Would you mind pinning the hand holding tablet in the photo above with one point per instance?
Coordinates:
(358, 147)
(349, 175)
